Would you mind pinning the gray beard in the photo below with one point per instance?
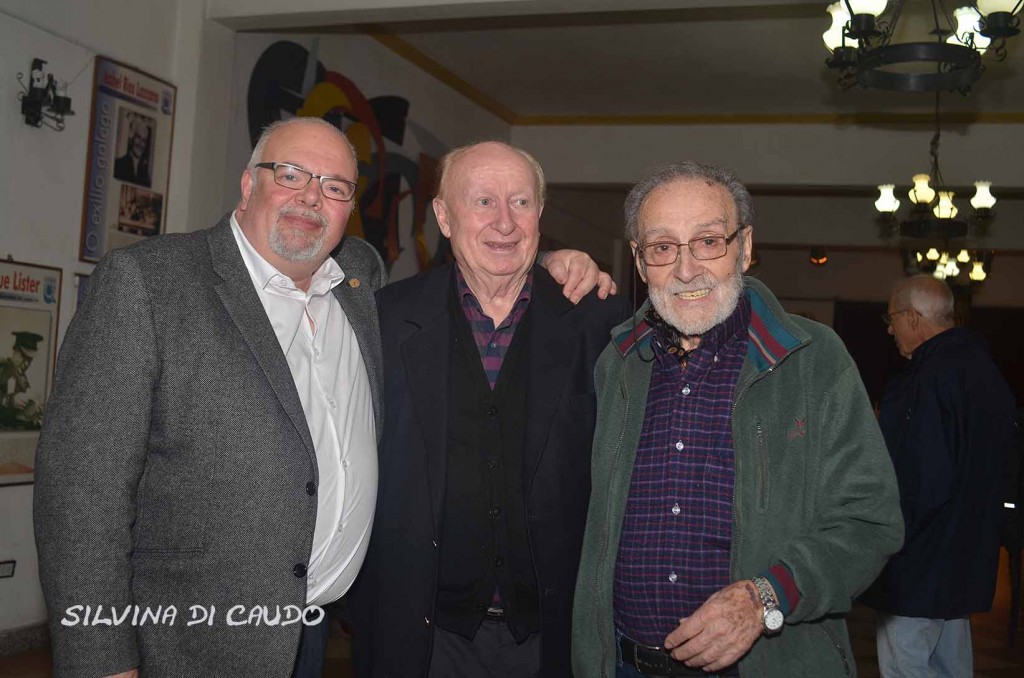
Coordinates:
(695, 325)
(299, 248)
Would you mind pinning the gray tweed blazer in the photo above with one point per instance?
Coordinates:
(173, 465)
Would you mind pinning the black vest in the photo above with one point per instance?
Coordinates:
(484, 542)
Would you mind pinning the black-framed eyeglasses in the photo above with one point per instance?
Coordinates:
(297, 179)
(704, 248)
(887, 317)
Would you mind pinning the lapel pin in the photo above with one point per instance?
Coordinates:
(353, 283)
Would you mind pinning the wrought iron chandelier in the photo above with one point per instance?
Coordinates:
(860, 40)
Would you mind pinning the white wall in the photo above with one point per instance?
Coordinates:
(43, 171)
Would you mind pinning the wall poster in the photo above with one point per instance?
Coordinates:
(29, 310)
(129, 160)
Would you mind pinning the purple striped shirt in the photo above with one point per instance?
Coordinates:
(677, 531)
(491, 341)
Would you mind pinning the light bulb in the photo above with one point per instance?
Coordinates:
(944, 259)
(940, 273)
(945, 209)
(983, 198)
(921, 193)
(919, 257)
(977, 273)
(952, 270)
(932, 255)
(963, 257)
(887, 202)
(966, 32)
(833, 37)
(872, 7)
(987, 7)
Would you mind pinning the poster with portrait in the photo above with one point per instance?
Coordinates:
(29, 310)
(129, 160)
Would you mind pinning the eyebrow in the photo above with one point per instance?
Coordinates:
(658, 231)
(306, 169)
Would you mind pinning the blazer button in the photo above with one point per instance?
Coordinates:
(299, 570)
(492, 411)
(311, 488)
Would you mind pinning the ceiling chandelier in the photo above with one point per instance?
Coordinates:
(860, 40)
(948, 264)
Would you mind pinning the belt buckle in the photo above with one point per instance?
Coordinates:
(646, 666)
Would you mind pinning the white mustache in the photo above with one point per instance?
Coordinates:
(701, 282)
(310, 215)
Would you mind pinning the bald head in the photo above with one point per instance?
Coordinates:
(920, 307)
(452, 161)
(928, 296)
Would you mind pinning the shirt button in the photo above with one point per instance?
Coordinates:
(672, 577)
(679, 445)
(686, 390)
(676, 510)
(493, 345)
(715, 358)
(346, 463)
(341, 527)
(311, 488)
(426, 620)
(434, 542)
(299, 570)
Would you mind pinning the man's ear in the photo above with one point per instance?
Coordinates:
(441, 212)
(748, 246)
(247, 188)
(637, 261)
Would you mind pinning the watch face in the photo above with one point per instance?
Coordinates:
(773, 619)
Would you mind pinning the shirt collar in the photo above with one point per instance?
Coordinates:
(734, 325)
(265, 275)
(466, 294)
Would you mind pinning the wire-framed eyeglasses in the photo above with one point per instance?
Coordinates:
(297, 179)
(704, 248)
(887, 318)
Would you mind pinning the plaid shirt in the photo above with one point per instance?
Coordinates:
(677, 531)
(491, 341)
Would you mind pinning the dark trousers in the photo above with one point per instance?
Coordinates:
(493, 653)
(309, 662)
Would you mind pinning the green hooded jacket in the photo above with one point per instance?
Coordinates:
(814, 488)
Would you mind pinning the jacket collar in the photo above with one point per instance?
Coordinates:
(773, 334)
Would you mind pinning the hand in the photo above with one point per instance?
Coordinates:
(721, 630)
(134, 673)
(578, 274)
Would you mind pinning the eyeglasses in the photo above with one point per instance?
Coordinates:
(297, 179)
(887, 317)
(704, 248)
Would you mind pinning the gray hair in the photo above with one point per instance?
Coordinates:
(927, 295)
(712, 174)
(261, 143)
(449, 159)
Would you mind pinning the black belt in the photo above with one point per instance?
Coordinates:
(654, 661)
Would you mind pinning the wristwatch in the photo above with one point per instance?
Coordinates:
(772, 617)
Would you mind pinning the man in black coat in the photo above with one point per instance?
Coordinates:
(485, 459)
(948, 420)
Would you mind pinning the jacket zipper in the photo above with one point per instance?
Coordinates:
(763, 463)
(838, 647)
(604, 530)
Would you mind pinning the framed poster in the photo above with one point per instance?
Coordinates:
(29, 309)
(128, 166)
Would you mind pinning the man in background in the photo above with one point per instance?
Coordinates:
(948, 421)
(133, 166)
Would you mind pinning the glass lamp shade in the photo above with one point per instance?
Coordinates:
(987, 7)
(977, 273)
(963, 257)
(887, 202)
(932, 254)
(952, 270)
(940, 272)
(833, 37)
(921, 193)
(919, 257)
(966, 32)
(945, 209)
(983, 198)
(872, 7)
(944, 259)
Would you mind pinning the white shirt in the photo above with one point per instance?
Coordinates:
(330, 377)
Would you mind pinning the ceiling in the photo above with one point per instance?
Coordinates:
(759, 62)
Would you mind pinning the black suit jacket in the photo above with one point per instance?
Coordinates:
(395, 599)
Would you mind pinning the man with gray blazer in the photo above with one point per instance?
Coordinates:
(211, 438)
(207, 472)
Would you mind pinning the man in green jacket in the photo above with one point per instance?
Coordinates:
(742, 492)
